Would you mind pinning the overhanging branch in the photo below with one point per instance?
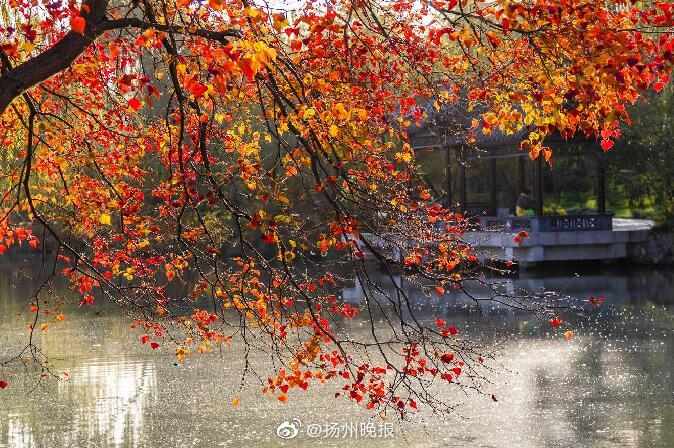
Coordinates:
(220, 36)
(19, 79)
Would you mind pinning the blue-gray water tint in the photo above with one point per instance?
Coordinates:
(611, 386)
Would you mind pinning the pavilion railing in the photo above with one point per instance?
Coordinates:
(566, 223)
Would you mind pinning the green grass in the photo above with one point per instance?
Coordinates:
(619, 206)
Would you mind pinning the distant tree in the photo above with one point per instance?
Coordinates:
(643, 165)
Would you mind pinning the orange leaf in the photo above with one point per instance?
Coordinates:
(77, 24)
(494, 40)
(534, 151)
(216, 4)
(247, 66)
(340, 111)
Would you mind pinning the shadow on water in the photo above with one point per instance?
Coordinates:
(611, 386)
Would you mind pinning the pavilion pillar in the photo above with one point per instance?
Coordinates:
(494, 198)
(448, 176)
(538, 185)
(462, 181)
(601, 181)
(522, 184)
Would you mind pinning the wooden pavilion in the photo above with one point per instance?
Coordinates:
(439, 133)
(553, 237)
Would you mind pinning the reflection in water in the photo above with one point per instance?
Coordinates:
(121, 392)
(113, 397)
(611, 387)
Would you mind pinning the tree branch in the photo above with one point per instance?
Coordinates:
(19, 79)
(16, 81)
(220, 36)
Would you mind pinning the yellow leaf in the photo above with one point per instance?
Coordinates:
(334, 130)
(405, 156)
(340, 111)
(104, 219)
(270, 54)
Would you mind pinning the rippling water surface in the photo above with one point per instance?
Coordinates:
(611, 386)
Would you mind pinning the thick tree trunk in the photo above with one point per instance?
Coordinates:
(19, 79)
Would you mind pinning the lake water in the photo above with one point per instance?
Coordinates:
(612, 386)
